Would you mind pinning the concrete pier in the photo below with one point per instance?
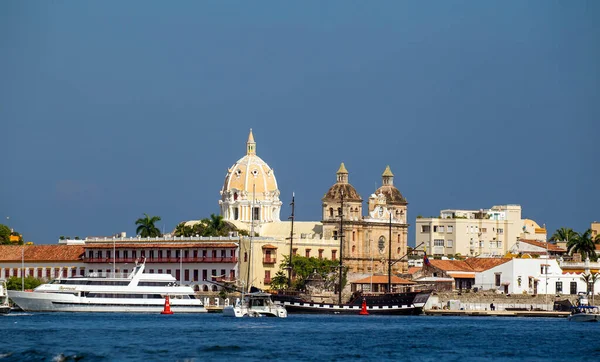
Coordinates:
(497, 313)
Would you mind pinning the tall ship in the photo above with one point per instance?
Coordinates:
(388, 303)
(138, 292)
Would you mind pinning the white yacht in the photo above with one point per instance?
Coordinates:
(138, 292)
(255, 305)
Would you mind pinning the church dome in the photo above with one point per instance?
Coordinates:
(391, 193)
(342, 185)
(250, 183)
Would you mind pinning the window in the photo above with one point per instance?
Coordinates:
(178, 274)
(186, 275)
(484, 230)
(481, 243)
(213, 274)
(438, 242)
(195, 275)
(160, 254)
(441, 229)
(168, 254)
(267, 276)
(232, 274)
(331, 212)
(90, 254)
(333, 254)
(99, 254)
(214, 254)
(498, 279)
(492, 244)
(307, 253)
(236, 213)
(223, 274)
(353, 249)
(450, 228)
(204, 274)
(353, 235)
(425, 228)
(500, 231)
(125, 254)
(256, 213)
(573, 288)
(335, 234)
(499, 244)
(160, 271)
(449, 243)
(320, 253)
(558, 287)
(435, 228)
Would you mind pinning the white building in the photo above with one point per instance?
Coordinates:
(530, 276)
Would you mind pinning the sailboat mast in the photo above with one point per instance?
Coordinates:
(291, 244)
(389, 286)
(341, 245)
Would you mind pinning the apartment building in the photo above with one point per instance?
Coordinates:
(485, 232)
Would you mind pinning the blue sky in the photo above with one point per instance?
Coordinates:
(112, 109)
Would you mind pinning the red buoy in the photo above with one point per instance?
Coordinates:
(363, 310)
(167, 309)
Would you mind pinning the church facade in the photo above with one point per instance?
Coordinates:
(250, 200)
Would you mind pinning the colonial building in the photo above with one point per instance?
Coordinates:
(41, 261)
(250, 201)
(368, 241)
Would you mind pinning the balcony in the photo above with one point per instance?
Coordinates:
(269, 260)
(231, 259)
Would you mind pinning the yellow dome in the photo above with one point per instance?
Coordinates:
(250, 183)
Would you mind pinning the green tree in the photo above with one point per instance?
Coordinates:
(4, 234)
(15, 283)
(184, 230)
(304, 268)
(583, 244)
(279, 281)
(146, 226)
(563, 234)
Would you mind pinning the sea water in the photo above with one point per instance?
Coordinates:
(212, 337)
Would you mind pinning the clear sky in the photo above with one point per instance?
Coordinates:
(110, 109)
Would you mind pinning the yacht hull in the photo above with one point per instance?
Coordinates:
(584, 318)
(63, 302)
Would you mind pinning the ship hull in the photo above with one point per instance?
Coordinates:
(390, 304)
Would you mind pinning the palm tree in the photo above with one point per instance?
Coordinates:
(583, 244)
(590, 280)
(183, 230)
(563, 234)
(146, 226)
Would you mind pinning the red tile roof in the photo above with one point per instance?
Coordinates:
(41, 252)
(543, 245)
(382, 279)
(468, 265)
(160, 245)
(269, 246)
(414, 269)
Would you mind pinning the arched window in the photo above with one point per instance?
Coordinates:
(214, 288)
(353, 249)
(398, 251)
(205, 288)
(381, 244)
(331, 211)
(235, 196)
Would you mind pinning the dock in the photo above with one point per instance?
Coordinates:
(497, 313)
(214, 308)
